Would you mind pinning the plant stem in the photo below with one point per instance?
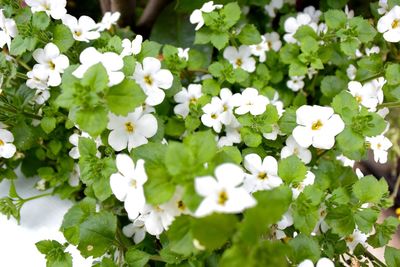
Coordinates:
(390, 105)
(375, 259)
(198, 70)
(396, 188)
(379, 74)
(23, 64)
(36, 197)
(156, 258)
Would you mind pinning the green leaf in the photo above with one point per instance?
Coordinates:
(309, 45)
(219, 39)
(62, 37)
(288, 121)
(180, 236)
(136, 258)
(365, 219)
(231, 14)
(249, 35)
(97, 234)
(96, 78)
(48, 124)
(332, 85)
(392, 74)
(392, 256)
(250, 137)
(93, 120)
(305, 247)
(124, 97)
(87, 147)
(349, 46)
(365, 31)
(369, 190)
(335, 19)
(292, 169)
(215, 230)
(384, 232)
(55, 255)
(344, 102)
(202, 145)
(40, 20)
(351, 143)
(341, 220)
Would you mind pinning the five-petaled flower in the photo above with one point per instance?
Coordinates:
(250, 101)
(389, 25)
(8, 30)
(54, 8)
(240, 58)
(83, 29)
(185, 98)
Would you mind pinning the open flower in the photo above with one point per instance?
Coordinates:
(183, 53)
(232, 136)
(269, 41)
(357, 237)
(317, 126)
(273, 6)
(365, 95)
(383, 7)
(8, 30)
(108, 20)
(293, 148)
(152, 79)
(295, 83)
(292, 24)
(136, 229)
(297, 188)
(250, 101)
(389, 25)
(132, 47)
(83, 30)
(197, 15)
(263, 173)
(240, 58)
(51, 62)
(223, 194)
(131, 131)
(7, 149)
(38, 78)
(54, 8)
(186, 97)
(127, 184)
(379, 145)
(112, 62)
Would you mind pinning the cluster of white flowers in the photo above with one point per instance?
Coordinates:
(8, 30)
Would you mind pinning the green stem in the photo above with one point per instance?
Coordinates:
(156, 258)
(198, 70)
(375, 259)
(23, 64)
(375, 76)
(390, 105)
(30, 115)
(24, 200)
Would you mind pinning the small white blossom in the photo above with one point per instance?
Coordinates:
(223, 194)
(379, 145)
(186, 97)
(232, 136)
(299, 187)
(295, 83)
(269, 41)
(38, 78)
(314, 14)
(351, 72)
(137, 230)
(74, 140)
(54, 8)
(346, 161)
(41, 96)
(240, 58)
(8, 30)
(293, 148)
(383, 7)
(152, 79)
(274, 133)
(263, 173)
(292, 24)
(131, 131)
(322, 262)
(183, 53)
(83, 30)
(132, 47)
(349, 13)
(7, 148)
(73, 179)
(51, 62)
(365, 95)
(250, 101)
(285, 222)
(112, 62)
(272, 7)
(197, 15)
(357, 237)
(317, 126)
(389, 25)
(127, 184)
(109, 19)
(373, 50)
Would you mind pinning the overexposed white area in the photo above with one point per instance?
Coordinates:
(40, 219)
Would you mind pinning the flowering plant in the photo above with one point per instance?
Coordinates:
(228, 142)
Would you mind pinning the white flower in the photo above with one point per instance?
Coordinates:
(83, 30)
(299, 187)
(8, 30)
(232, 136)
(351, 72)
(183, 53)
(151, 78)
(73, 179)
(293, 148)
(38, 78)
(250, 101)
(264, 173)
(240, 58)
(136, 229)
(379, 145)
(132, 47)
(356, 238)
(285, 222)
(52, 62)
(41, 96)
(131, 131)
(314, 14)
(273, 40)
(348, 12)
(7, 149)
(389, 25)
(273, 6)
(292, 24)
(197, 15)
(127, 184)
(108, 20)
(260, 49)
(274, 133)
(112, 62)
(364, 95)
(346, 161)
(54, 8)
(74, 140)
(186, 97)
(223, 194)
(383, 7)
(219, 111)
(322, 262)
(317, 126)
(373, 50)
(296, 83)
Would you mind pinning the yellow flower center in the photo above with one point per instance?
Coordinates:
(52, 65)
(239, 62)
(295, 151)
(181, 205)
(133, 183)
(148, 80)
(349, 239)
(1, 142)
(130, 128)
(222, 198)
(395, 23)
(214, 116)
(358, 99)
(78, 33)
(225, 107)
(193, 100)
(262, 176)
(316, 125)
(379, 145)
